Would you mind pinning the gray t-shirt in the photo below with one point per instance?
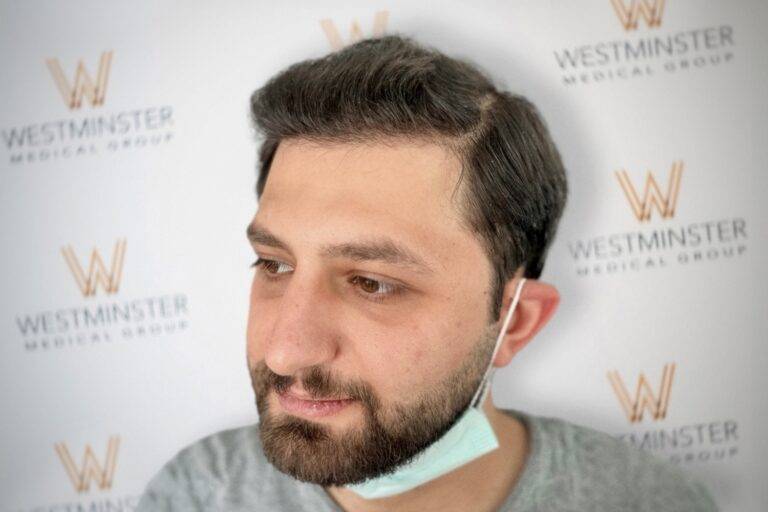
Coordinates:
(568, 468)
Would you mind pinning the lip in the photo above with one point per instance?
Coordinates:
(312, 408)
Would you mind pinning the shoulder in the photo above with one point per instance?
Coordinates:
(587, 467)
(208, 471)
(218, 456)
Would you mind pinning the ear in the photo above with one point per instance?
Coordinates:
(538, 302)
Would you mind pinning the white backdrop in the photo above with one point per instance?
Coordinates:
(125, 268)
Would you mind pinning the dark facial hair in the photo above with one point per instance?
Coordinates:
(389, 436)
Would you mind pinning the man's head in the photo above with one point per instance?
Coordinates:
(401, 196)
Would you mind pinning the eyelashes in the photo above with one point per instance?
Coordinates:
(267, 265)
(365, 283)
(371, 289)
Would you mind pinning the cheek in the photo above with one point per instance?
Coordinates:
(436, 351)
(400, 364)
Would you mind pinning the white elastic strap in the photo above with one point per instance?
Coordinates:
(485, 384)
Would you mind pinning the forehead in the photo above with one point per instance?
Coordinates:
(398, 187)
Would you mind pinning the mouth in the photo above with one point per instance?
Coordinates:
(304, 405)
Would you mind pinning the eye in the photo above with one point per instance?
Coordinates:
(378, 291)
(271, 268)
(370, 289)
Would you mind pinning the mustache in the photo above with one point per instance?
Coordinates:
(318, 382)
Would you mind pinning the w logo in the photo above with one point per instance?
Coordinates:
(645, 399)
(90, 469)
(97, 274)
(650, 10)
(82, 85)
(355, 33)
(652, 195)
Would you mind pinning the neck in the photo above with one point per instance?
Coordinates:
(491, 477)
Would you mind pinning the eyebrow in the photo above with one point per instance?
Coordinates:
(380, 249)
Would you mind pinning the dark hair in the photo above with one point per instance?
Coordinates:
(392, 86)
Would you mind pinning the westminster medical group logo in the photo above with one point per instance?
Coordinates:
(644, 398)
(356, 33)
(629, 14)
(91, 470)
(103, 315)
(86, 89)
(653, 199)
(638, 44)
(645, 404)
(82, 85)
(652, 196)
(97, 273)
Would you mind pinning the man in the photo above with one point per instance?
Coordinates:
(405, 210)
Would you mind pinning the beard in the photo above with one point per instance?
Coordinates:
(390, 435)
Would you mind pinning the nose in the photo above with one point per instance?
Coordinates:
(304, 334)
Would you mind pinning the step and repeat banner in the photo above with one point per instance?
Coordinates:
(127, 180)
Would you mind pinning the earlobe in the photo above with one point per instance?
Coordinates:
(538, 302)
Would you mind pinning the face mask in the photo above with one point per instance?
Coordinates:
(469, 438)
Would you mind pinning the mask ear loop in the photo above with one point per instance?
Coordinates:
(485, 385)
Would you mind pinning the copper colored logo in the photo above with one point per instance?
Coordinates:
(355, 32)
(652, 196)
(650, 10)
(97, 274)
(90, 469)
(83, 84)
(645, 398)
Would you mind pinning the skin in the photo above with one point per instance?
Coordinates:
(319, 312)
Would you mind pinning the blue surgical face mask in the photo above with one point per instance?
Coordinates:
(469, 438)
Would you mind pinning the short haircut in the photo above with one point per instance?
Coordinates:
(392, 86)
